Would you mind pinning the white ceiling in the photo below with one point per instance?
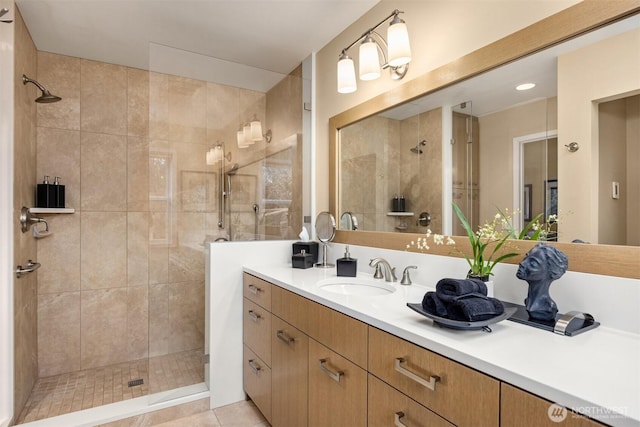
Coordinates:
(247, 43)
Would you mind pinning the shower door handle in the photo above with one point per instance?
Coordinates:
(30, 268)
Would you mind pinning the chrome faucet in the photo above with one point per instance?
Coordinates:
(383, 269)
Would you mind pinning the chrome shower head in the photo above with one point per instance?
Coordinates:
(46, 97)
(417, 149)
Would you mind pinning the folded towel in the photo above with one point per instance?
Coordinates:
(431, 303)
(474, 308)
(449, 289)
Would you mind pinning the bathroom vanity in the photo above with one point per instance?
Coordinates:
(317, 356)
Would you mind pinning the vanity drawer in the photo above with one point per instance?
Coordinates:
(520, 408)
(257, 290)
(461, 395)
(341, 333)
(291, 308)
(388, 407)
(256, 328)
(257, 381)
(337, 389)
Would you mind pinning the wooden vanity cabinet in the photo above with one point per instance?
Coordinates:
(389, 407)
(523, 409)
(462, 395)
(337, 389)
(290, 350)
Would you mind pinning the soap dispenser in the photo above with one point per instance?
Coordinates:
(347, 266)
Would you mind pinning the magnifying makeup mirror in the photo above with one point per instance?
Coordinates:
(325, 230)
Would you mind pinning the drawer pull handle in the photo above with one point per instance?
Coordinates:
(254, 289)
(284, 338)
(254, 367)
(430, 383)
(254, 316)
(333, 375)
(398, 417)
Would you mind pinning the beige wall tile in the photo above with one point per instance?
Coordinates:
(103, 261)
(159, 106)
(103, 172)
(58, 333)
(137, 102)
(158, 319)
(186, 315)
(186, 261)
(158, 264)
(104, 327)
(59, 155)
(223, 115)
(103, 93)
(61, 75)
(137, 248)
(59, 255)
(138, 322)
(137, 174)
(187, 110)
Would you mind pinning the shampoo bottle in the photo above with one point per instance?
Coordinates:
(347, 266)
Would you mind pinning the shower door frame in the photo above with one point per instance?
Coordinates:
(6, 222)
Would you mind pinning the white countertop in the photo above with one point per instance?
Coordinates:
(596, 373)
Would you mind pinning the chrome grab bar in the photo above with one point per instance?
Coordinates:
(430, 383)
(30, 268)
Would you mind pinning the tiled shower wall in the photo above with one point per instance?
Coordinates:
(376, 164)
(25, 299)
(123, 277)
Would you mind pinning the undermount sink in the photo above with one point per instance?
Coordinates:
(356, 286)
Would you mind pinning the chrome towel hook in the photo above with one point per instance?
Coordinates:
(572, 147)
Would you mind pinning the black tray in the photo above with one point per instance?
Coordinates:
(462, 325)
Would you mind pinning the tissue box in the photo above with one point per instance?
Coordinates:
(310, 248)
(302, 260)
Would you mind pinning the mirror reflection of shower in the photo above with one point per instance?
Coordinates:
(417, 149)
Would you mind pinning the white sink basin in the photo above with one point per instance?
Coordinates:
(356, 286)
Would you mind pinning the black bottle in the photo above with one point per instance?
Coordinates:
(395, 204)
(45, 194)
(59, 191)
(347, 266)
(402, 206)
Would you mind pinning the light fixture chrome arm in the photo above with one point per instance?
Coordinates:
(394, 14)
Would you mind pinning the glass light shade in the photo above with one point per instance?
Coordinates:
(209, 157)
(240, 138)
(369, 60)
(246, 130)
(256, 130)
(398, 42)
(346, 75)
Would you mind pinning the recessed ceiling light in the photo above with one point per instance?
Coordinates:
(525, 86)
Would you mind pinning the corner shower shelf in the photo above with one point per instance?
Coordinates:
(399, 213)
(52, 210)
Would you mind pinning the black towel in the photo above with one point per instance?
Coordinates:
(449, 289)
(431, 303)
(474, 308)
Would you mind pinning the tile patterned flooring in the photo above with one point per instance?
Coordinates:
(241, 414)
(62, 394)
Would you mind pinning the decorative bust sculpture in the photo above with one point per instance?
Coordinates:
(541, 266)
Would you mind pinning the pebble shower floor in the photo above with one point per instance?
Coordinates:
(65, 393)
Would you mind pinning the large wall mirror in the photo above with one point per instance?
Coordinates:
(485, 145)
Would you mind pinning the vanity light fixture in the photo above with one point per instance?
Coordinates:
(215, 154)
(251, 132)
(396, 58)
(525, 86)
